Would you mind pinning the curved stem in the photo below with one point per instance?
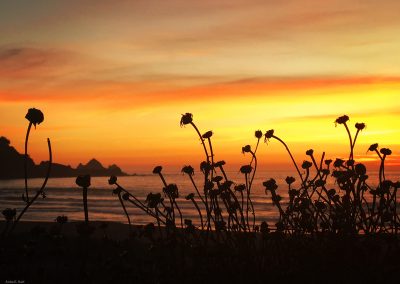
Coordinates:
(255, 151)
(30, 202)
(131, 195)
(197, 190)
(179, 211)
(291, 156)
(26, 161)
(85, 207)
(162, 179)
(202, 141)
(125, 211)
(350, 140)
(198, 210)
(212, 156)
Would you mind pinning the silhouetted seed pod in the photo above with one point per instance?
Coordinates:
(9, 214)
(125, 196)
(258, 134)
(240, 187)
(207, 135)
(188, 170)
(341, 119)
(186, 119)
(246, 149)
(360, 126)
(319, 183)
(373, 147)
(270, 185)
(386, 151)
(268, 135)
(34, 116)
(306, 165)
(360, 169)
(310, 152)
(83, 181)
(112, 180)
(246, 169)
(157, 170)
(338, 163)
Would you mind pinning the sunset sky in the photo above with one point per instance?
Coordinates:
(114, 77)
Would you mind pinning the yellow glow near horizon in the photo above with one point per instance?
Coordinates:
(146, 135)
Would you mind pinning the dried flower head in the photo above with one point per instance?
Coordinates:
(112, 180)
(186, 118)
(219, 163)
(341, 119)
(83, 181)
(217, 179)
(310, 152)
(157, 170)
(360, 169)
(268, 135)
(246, 149)
(9, 214)
(306, 165)
(207, 135)
(246, 169)
(240, 187)
(270, 185)
(338, 163)
(34, 116)
(205, 167)
(373, 147)
(258, 134)
(290, 180)
(386, 151)
(188, 170)
(62, 219)
(360, 126)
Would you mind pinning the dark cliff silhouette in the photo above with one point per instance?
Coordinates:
(12, 164)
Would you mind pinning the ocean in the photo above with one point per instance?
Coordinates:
(63, 197)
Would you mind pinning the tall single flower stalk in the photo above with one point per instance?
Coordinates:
(84, 182)
(34, 116)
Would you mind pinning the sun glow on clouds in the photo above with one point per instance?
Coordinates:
(113, 80)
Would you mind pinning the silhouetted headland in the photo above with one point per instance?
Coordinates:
(11, 163)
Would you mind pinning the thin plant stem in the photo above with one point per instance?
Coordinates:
(26, 161)
(291, 156)
(40, 191)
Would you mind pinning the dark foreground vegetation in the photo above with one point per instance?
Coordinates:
(334, 226)
(41, 253)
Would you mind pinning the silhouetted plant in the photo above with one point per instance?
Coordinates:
(118, 191)
(61, 221)
(34, 116)
(84, 182)
(9, 215)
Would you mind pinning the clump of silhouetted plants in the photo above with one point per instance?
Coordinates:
(334, 227)
(330, 197)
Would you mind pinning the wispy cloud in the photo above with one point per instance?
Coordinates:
(31, 63)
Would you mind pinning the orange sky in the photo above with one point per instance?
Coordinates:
(113, 79)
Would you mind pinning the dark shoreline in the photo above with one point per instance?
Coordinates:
(36, 253)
